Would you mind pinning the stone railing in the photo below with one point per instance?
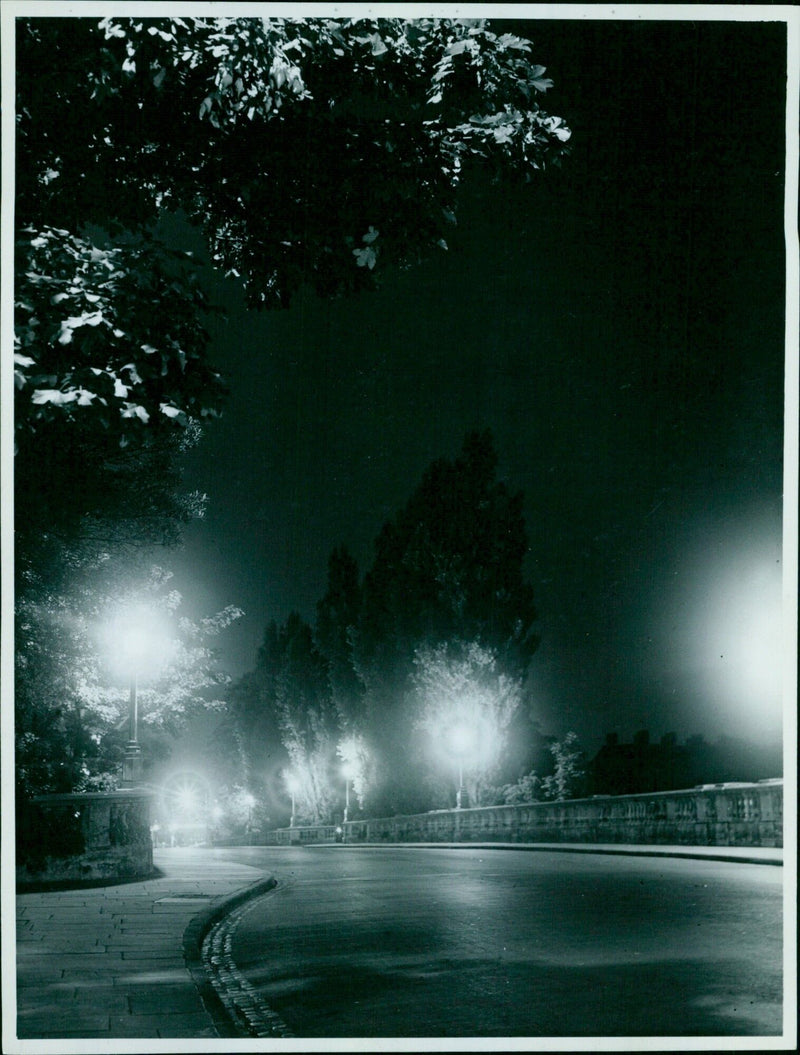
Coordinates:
(91, 837)
(711, 815)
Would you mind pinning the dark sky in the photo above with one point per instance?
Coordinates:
(619, 325)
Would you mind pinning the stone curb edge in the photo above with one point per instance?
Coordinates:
(645, 851)
(193, 937)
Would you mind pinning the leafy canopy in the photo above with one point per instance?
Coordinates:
(309, 150)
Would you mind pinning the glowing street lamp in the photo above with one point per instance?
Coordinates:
(348, 772)
(186, 801)
(135, 648)
(293, 786)
(139, 641)
(461, 739)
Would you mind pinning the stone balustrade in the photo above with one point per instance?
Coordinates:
(85, 837)
(711, 815)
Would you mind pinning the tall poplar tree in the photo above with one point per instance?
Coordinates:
(448, 568)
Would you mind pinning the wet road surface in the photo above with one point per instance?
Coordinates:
(401, 942)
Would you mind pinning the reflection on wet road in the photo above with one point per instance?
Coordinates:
(363, 942)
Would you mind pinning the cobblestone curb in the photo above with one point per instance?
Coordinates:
(225, 1023)
(240, 999)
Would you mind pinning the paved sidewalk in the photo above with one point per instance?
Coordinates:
(108, 962)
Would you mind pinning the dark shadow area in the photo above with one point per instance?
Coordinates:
(444, 998)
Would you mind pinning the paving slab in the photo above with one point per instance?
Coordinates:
(108, 961)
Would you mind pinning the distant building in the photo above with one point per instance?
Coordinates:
(642, 766)
(625, 769)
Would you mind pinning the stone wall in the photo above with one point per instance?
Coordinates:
(718, 815)
(79, 838)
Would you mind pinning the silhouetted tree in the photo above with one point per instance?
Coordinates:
(286, 701)
(337, 616)
(307, 718)
(567, 780)
(448, 567)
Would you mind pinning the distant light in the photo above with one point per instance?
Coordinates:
(720, 643)
(292, 783)
(186, 796)
(186, 800)
(248, 800)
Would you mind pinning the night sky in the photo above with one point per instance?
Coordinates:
(619, 325)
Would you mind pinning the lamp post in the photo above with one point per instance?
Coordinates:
(138, 638)
(133, 763)
(292, 785)
(462, 742)
(347, 772)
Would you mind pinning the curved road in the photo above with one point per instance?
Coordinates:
(402, 942)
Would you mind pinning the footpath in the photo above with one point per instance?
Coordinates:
(123, 961)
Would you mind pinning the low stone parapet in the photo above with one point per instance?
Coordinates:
(711, 815)
(98, 836)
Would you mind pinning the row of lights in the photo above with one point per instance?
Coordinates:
(137, 643)
(461, 744)
(293, 786)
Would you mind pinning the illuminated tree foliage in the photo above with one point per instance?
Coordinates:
(461, 694)
(288, 694)
(110, 391)
(568, 769)
(311, 151)
(562, 776)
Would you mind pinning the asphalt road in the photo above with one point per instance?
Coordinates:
(360, 942)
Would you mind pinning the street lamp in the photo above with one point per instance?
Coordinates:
(293, 786)
(462, 743)
(139, 641)
(132, 766)
(135, 647)
(348, 772)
